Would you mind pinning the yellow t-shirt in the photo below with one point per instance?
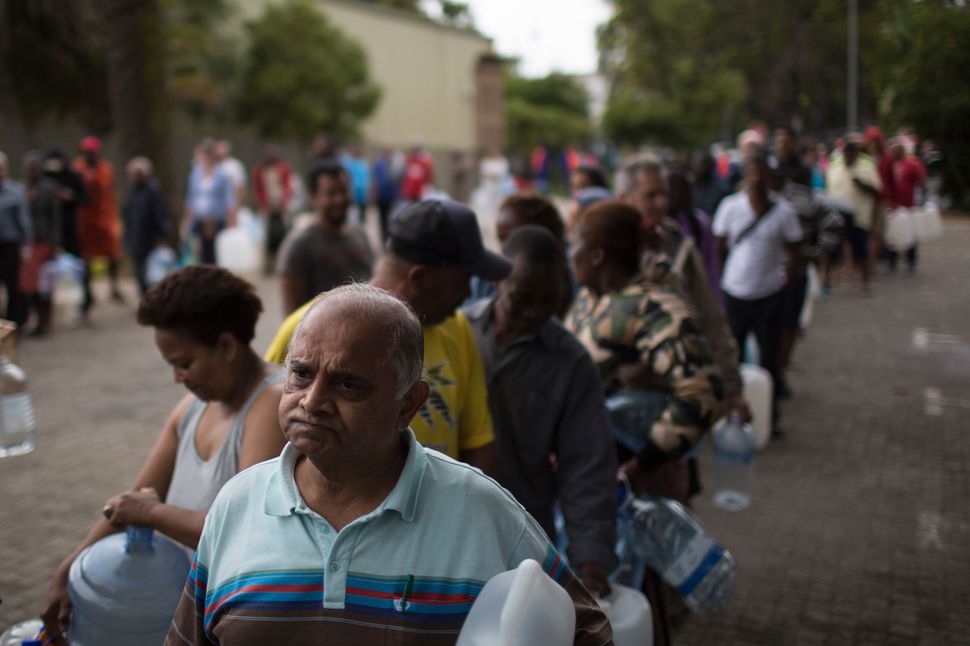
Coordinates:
(455, 417)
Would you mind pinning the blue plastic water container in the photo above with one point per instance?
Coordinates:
(124, 589)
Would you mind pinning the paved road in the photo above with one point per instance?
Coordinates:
(859, 532)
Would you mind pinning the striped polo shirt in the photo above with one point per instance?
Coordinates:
(269, 569)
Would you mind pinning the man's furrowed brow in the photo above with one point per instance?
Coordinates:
(297, 364)
(343, 374)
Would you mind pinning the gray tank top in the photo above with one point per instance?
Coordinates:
(195, 482)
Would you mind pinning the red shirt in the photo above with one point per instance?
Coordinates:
(417, 173)
(908, 173)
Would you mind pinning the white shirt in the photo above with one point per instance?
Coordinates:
(838, 182)
(755, 268)
(235, 170)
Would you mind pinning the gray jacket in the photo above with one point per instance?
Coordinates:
(552, 434)
(14, 217)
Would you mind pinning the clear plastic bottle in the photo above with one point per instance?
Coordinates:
(734, 450)
(18, 429)
(22, 633)
(660, 533)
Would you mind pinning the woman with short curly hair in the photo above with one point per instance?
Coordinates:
(204, 319)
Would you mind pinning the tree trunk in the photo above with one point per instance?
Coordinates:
(11, 119)
(136, 62)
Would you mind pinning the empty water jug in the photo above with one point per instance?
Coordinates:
(661, 534)
(734, 451)
(18, 429)
(900, 229)
(630, 617)
(159, 264)
(22, 633)
(927, 222)
(236, 252)
(758, 393)
(124, 589)
(69, 290)
(520, 607)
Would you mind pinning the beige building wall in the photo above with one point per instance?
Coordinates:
(427, 73)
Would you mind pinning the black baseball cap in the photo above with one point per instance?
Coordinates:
(443, 233)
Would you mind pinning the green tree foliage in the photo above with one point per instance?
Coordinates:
(303, 75)
(202, 59)
(55, 54)
(667, 85)
(925, 80)
(551, 111)
(684, 73)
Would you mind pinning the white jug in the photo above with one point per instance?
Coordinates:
(928, 223)
(900, 230)
(757, 392)
(236, 252)
(629, 613)
(520, 607)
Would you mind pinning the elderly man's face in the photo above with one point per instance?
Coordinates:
(338, 403)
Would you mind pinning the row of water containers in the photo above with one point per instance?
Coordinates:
(124, 588)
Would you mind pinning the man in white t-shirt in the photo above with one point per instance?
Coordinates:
(757, 239)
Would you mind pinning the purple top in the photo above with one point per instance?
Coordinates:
(705, 245)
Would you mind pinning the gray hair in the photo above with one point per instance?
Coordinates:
(626, 179)
(144, 164)
(406, 348)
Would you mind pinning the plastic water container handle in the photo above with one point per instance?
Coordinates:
(518, 600)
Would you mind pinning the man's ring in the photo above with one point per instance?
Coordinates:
(107, 510)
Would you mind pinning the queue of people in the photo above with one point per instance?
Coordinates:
(390, 405)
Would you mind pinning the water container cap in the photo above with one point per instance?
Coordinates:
(128, 581)
(31, 642)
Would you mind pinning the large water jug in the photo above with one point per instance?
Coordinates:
(663, 535)
(69, 289)
(23, 634)
(18, 429)
(520, 607)
(928, 223)
(160, 263)
(734, 451)
(900, 229)
(236, 252)
(758, 393)
(630, 617)
(124, 589)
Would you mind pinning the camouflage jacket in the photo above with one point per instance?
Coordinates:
(647, 336)
(688, 277)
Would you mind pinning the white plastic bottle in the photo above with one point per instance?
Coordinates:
(734, 449)
(21, 633)
(18, 429)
